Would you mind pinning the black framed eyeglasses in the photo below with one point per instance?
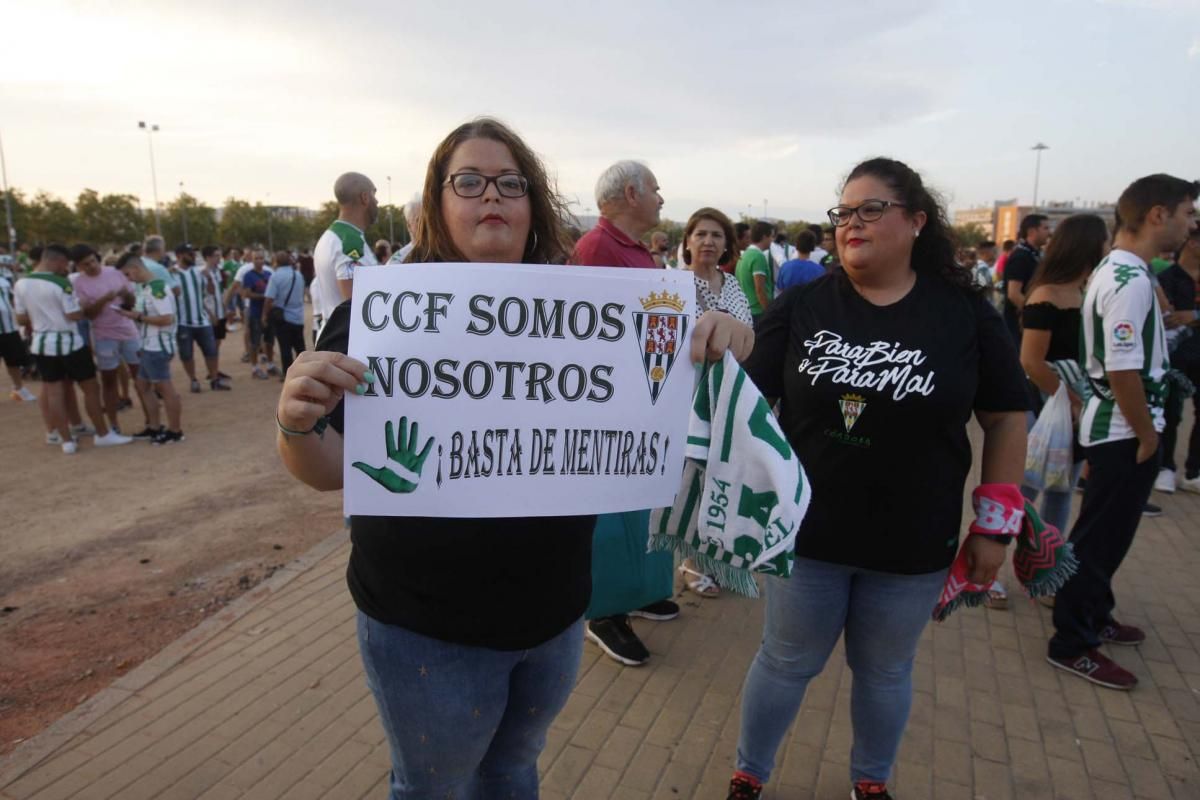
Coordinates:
(868, 211)
(472, 184)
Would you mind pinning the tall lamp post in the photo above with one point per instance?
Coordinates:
(1037, 171)
(8, 217)
(270, 235)
(391, 215)
(183, 210)
(150, 131)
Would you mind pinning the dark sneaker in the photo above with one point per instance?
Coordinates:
(1151, 510)
(1098, 668)
(870, 790)
(168, 437)
(616, 638)
(744, 787)
(148, 433)
(218, 385)
(661, 611)
(1116, 633)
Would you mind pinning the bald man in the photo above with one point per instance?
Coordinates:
(343, 246)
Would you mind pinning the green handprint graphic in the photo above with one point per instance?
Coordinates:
(404, 453)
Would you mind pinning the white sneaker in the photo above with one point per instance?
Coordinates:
(82, 430)
(24, 394)
(1190, 484)
(68, 448)
(1165, 482)
(111, 439)
(54, 437)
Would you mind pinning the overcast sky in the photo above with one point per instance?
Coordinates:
(730, 104)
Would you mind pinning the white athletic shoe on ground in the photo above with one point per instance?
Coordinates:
(82, 430)
(54, 437)
(1165, 482)
(112, 439)
(24, 394)
(68, 448)
(1190, 484)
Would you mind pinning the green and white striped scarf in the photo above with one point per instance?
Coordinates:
(744, 492)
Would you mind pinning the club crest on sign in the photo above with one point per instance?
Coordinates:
(852, 406)
(661, 329)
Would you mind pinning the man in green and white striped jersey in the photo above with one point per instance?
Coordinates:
(1125, 355)
(12, 347)
(154, 313)
(194, 325)
(46, 301)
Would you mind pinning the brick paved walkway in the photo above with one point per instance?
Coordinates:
(268, 701)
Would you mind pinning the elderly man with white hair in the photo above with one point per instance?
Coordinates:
(412, 216)
(629, 202)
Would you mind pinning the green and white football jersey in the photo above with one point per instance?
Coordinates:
(341, 249)
(190, 302)
(1122, 330)
(47, 299)
(155, 300)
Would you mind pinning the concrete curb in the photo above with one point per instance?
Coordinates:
(34, 751)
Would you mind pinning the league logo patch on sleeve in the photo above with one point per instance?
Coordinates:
(1124, 337)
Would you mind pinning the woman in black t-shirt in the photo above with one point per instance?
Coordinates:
(879, 368)
(1050, 323)
(469, 629)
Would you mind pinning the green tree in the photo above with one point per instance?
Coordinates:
(242, 224)
(201, 222)
(968, 235)
(51, 220)
(111, 220)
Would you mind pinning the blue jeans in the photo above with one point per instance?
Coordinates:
(882, 615)
(465, 722)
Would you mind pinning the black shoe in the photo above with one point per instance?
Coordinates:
(124, 403)
(1081, 485)
(148, 433)
(168, 437)
(616, 638)
(742, 787)
(1151, 510)
(661, 611)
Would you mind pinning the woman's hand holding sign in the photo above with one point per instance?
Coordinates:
(716, 332)
(314, 385)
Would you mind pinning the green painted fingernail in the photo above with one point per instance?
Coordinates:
(369, 376)
(360, 388)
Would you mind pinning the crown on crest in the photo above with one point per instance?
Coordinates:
(662, 300)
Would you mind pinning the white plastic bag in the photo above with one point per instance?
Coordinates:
(1049, 453)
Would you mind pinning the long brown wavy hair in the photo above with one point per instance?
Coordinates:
(548, 241)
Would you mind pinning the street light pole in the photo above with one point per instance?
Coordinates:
(183, 210)
(1037, 171)
(270, 235)
(150, 131)
(8, 217)
(391, 215)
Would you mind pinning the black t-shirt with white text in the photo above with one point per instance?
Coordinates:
(875, 402)
(502, 583)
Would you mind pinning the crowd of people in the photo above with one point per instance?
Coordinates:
(875, 340)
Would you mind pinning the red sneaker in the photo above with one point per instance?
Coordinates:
(744, 787)
(1098, 668)
(1116, 633)
(870, 790)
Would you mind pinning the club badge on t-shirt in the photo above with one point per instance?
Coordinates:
(852, 406)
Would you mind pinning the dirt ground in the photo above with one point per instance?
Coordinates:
(108, 555)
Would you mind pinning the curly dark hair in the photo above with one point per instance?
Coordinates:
(934, 250)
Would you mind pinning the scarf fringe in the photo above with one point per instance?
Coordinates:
(962, 600)
(738, 580)
(1050, 581)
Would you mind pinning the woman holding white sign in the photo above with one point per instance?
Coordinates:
(470, 629)
(880, 367)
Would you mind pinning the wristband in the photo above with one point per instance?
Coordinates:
(318, 429)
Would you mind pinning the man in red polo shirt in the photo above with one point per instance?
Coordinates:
(629, 202)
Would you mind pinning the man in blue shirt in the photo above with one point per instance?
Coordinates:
(800, 270)
(254, 287)
(285, 302)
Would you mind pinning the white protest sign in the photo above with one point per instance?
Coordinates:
(517, 390)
